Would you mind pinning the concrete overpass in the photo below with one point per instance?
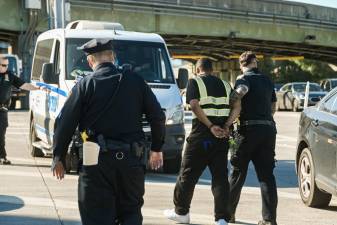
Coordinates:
(220, 29)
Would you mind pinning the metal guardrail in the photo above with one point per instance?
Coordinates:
(264, 10)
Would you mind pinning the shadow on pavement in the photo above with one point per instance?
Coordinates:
(9, 203)
(27, 220)
(331, 208)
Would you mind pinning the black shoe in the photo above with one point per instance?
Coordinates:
(264, 222)
(4, 161)
(232, 219)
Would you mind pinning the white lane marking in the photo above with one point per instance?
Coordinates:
(286, 137)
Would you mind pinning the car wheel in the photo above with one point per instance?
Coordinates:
(34, 151)
(310, 194)
(172, 165)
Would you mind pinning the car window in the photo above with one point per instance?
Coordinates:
(328, 104)
(333, 84)
(334, 108)
(286, 87)
(302, 86)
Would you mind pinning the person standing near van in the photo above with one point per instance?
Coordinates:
(111, 183)
(7, 80)
(257, 126)
(207, 144)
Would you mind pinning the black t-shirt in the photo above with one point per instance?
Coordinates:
(215, 88)
(256, 104)
(7, 80)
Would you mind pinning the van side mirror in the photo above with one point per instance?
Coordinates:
(48, 74)
(182, 78)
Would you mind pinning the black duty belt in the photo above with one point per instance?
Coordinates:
(257, 122)
(120, 148)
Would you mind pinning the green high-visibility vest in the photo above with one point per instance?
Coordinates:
(210, 104)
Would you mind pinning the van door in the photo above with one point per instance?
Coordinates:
(39, 107)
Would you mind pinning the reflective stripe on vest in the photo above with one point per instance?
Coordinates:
(210, 100)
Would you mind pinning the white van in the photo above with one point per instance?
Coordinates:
(57, 64)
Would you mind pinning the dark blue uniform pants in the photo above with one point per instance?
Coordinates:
(111, 193)
(3, 128)
(199, 154)
(257, 146)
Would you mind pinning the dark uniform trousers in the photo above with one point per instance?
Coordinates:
(3, 128)
(200, 153)
(257, 146)
(111, 193)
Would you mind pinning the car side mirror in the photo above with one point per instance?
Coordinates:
(182, 78)
(48, 74)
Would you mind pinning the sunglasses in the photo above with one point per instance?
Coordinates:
(4, 65)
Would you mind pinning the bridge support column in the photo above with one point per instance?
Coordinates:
(227, 70)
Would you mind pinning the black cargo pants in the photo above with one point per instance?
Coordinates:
(111, 193)
(3, 128)
(257, 146)
(200, 153)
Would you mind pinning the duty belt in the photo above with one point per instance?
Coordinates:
(257, 122)
(120, 148)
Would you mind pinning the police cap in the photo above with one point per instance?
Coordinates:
(96, 45)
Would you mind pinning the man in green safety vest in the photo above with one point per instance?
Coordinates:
(207, 144)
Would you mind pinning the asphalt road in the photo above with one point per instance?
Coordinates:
(29, 195)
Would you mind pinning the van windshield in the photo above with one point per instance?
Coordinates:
(148, 60)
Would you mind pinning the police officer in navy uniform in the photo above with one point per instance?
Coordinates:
(7, 80)
(257, 127)
(207, 144)
(111, 191)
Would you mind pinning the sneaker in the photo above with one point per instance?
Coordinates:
(264, 222)
(172, 215)
(221, 222)
(4, 161)
(232, 219)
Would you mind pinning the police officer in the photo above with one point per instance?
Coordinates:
(257, 127)
(207, 144)
(110, 190)
(7, 80)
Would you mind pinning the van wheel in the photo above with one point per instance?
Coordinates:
(172, 165)
(310, 194)
(34, 151)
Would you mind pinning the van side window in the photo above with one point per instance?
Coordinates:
(42, 55)
(327, 106)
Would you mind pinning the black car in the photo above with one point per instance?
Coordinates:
(291, 96)
(316, 158)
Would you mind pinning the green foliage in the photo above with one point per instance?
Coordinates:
(297, 70)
